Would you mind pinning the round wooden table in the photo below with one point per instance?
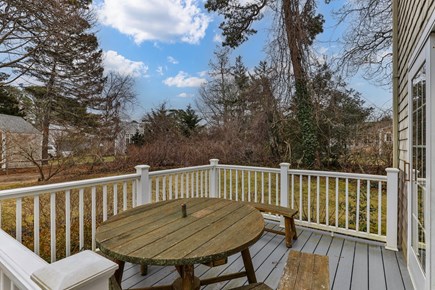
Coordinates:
(158, 234)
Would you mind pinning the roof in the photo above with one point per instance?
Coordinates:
(14, 124)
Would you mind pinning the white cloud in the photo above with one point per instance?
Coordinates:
(156, 20)
(172, 60)
(203, 73)
(183, 79)
(218, 38)
(118, 63)
(184, 95)
(159, 70)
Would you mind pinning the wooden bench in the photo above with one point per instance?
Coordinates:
(289, 222)
(305, 271)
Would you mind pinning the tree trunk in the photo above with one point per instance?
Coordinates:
(304, 105)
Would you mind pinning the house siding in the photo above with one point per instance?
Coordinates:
(410, 30)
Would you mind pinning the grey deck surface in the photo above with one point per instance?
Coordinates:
(353, 264)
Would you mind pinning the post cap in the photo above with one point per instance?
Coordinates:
(142, 167)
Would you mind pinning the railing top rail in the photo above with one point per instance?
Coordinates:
(179, 170)
(26, 191)
(249, 168)
(338, 174)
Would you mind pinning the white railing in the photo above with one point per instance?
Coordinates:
(58, 220)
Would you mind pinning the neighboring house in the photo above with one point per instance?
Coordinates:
(19, 139)
(374, 136)
(414, 127)
(129, 129)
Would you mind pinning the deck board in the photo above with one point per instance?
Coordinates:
(353, 263)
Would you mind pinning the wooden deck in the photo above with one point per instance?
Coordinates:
(353, 263)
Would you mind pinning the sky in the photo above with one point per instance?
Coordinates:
(166, 45)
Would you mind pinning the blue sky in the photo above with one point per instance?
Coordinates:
(166, 45)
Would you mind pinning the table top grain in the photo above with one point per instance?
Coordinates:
(157, 233)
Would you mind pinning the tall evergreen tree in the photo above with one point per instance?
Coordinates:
(70, 62)
(9, 103)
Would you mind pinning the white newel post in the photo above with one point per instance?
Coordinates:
(214, 178)
(284, 186)
(85, 270)
(143, 194)
(392, 201)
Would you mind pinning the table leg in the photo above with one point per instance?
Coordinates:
(249, 267)
(119, 272)
(187, 281)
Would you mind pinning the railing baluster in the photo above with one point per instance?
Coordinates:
(262, 187)
(192, 184)
(206, 186)
(293, 191)
(164, 188)
(231, 184)
(318, 199)
(249, 185)
(327, 201)
(105, 202)
(225, 183)
(19, 220)
(300, 198)
(277, 191)
(243, 185)
(53, 226)
(347, 203)
(176, 186)
(67, 223)
(197, 183)
(36, 216)
(124, 196)
(157, 189)
(170, 186)
(237, 185)
(256, 187)
(219, 186)
(336, 201)
(81, 220)
(93, 215)
(368, 206)
(187, 185)
(358, 194)
(115, 199)
(379, 208)
(133, 193)
(270, 188)
(309, 198)
(182, 185)
(202, 183)
(0, 214)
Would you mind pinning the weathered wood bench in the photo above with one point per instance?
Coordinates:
(305, 271)
(302, 271)
(289, 222)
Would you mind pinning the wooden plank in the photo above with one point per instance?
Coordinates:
(344, 270)
(323, 245)
(275, 209)
(392, 272)
(360, 271)
(404, 271)
(334, 253)
(312, 243)
(289, 280)
(320, 278)
(376, 268)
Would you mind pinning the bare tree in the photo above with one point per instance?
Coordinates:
(301, 24)
(367, 40)
(117, 96)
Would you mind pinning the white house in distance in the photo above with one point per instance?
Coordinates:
(18, 139)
